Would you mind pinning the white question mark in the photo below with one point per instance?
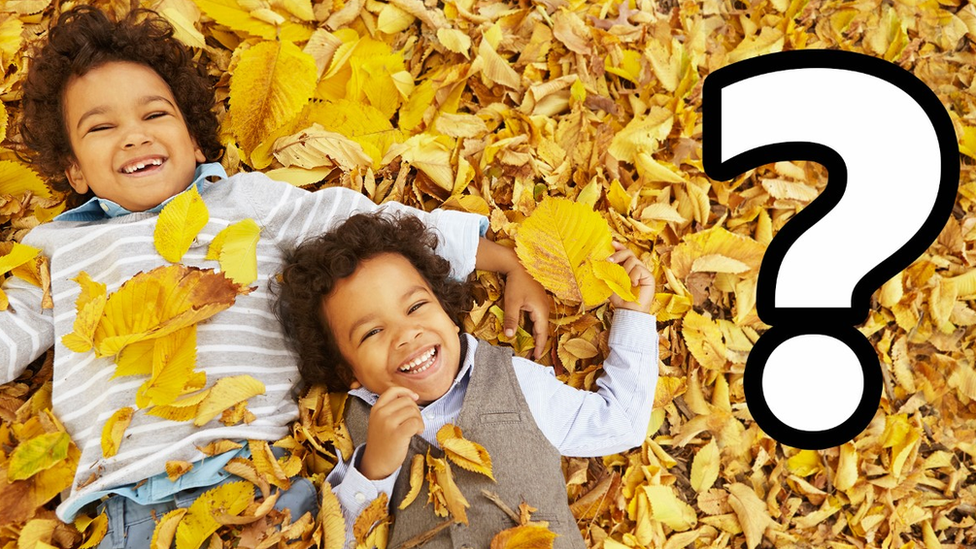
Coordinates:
(812, 380)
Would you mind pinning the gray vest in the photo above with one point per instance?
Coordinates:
(527, 466)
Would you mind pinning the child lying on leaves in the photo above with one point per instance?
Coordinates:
(373, 311)
(119, 116)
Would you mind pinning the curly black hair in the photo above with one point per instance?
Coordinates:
(83, 39)
(313, 269)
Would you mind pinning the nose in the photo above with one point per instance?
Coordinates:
(408, 333)
(136, 136)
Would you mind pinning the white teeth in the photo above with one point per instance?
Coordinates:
(420, 363)
(132, 168)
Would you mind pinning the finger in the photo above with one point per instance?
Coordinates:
(394, 393)
(540, 327)
(513, 313)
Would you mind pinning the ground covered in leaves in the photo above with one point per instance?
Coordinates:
(493, 106)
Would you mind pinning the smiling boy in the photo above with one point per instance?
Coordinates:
(371, 310)
(118, 116)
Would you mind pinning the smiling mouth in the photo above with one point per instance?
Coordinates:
(140, 166)
(421, 363)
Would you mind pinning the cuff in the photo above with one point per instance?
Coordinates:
(633, 330)
(459, 233)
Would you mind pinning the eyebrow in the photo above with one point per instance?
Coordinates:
(102, 109)
(366, 319)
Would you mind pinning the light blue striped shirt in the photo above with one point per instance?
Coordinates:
(612, 419)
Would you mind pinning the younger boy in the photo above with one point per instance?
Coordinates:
(371, 310)
(118, 115)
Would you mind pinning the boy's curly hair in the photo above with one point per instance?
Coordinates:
(83, 39)
(313, 269)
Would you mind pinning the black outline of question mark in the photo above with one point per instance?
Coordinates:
(837, 322)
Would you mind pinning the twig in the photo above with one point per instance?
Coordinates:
(424, 537)
(501, 505)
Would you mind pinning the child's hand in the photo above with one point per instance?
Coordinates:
(640, 277)
(395, 418)
(523, 293)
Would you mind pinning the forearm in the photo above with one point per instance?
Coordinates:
(495, 257)
(354, 491)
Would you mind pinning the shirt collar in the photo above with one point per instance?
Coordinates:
(101, 208)
(468, 343)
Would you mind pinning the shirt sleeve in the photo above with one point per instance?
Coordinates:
(293, 215)
(355, 492)
(26, 330)
(612, 419)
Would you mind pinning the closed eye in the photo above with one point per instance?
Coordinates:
(416, 306)
(99, 128)
(369, 334)
(150, 116)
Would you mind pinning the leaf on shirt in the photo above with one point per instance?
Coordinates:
(443, 492)
(372, 526)
(268, 466)
(12, 255)
(219, 447)
(37, 454)
(199, 523)
(179, 223)
(37, 271)
(526, 536)
(464, 453)
(114, 429)
(88, 310)
(173, 360)
(416, 480)
(226, 393)
(565, 245)
(165, 530)
(183, 409)
(236, 249)
(162, 301)
(176, 469)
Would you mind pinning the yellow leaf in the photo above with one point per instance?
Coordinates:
(17, 256)
(846, 474)
(705, 467)
(231, 14)
(751, 511)
(455, 41)
(902, 437)
(159, 302)
(717, 263)
(804, 463)
(227, 392)
(36, 534)
(135, 359)
(496, 68)
(641, 134)
(99, 527)
(89, 306)
(176, 469)
(527, 536)
(271, 84)
(199, 522)
(443, 492)
(373, 522)
(464, 453)
(416, 480)
(559, 242)
(37, 454)
(114, 429)
(173, 360)
(183, 28)
(715, 241)
(704, 339)
(237, 249)
(331, 519)
(179, 223)
(667, 508)
(219, 447)
(615, 277)
(392, 19)
(429, 154)
(315, 147)
(165, 530)
(17, 179)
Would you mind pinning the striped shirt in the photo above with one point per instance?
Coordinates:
(244, 339)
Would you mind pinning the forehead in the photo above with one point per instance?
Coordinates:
(377, 282)
(111, 84)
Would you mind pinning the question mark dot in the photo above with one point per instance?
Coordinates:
(813, 382)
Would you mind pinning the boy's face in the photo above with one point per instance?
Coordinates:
(130, 142)
(392, 330)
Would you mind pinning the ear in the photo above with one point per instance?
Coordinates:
(76, 178)
(198, 152)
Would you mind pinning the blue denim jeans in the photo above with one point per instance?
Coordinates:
(131, 525)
